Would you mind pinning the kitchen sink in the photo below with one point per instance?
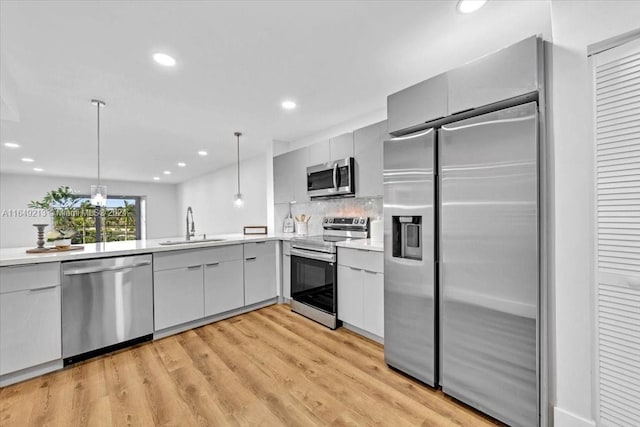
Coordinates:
(182, 242)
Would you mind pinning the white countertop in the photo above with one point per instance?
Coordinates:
(18, 256)
(363, 244)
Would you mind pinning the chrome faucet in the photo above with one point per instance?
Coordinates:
(191, 232)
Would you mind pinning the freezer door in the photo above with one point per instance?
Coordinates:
(409, 292)
(489, 262)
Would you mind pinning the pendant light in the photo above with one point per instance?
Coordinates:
(238, 201)
(98, 191)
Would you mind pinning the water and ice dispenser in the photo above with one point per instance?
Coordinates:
(407, 237)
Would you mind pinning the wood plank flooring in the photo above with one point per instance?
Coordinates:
(270, 367)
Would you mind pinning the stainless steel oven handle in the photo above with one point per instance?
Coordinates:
(313, 255)
(335, 176)
(103, 269)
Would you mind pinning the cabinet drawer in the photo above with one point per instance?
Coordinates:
(26, 277)
(259, 249)
(221, 254)
(177, 259)
(362, 259)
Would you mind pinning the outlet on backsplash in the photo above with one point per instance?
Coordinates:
(368, 207)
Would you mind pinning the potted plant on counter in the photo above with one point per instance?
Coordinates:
(60, 204)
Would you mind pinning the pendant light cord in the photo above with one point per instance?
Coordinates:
(98, 107)
(237, 134)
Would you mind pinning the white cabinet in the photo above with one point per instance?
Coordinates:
(259, 272)
(191, 284)
(504, 74)
(319, 153)
(178, 296)
(30, 316)
(417, 104)
(290, 176)
(368, 143)
(223, 286)
(350, 295)
(373, 302)
(361, 289)
(286, 270)
(341, 146)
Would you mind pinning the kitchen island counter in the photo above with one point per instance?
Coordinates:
(18, 256)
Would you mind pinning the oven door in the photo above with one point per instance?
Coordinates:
(331, 179)
(313, 279)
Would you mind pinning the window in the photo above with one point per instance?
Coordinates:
(119, 220)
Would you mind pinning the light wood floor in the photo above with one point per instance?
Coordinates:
(270, 367)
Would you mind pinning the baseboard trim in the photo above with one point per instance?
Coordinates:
(564, 418)
(201, 322)
(28, 373)
(366, 334)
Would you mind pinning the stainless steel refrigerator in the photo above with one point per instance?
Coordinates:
(489, 262)
(473, 329)
(409, 272)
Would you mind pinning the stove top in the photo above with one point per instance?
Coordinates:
(335, 230)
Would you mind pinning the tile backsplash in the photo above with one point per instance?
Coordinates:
(369, 207)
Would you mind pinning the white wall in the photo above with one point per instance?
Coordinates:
(211, 197)
(16, 191)
(575, 26)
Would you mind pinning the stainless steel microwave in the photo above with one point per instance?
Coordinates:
(333, 179)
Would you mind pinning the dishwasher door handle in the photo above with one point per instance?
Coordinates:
(104, 269)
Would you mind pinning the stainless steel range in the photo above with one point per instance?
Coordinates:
(314, 266)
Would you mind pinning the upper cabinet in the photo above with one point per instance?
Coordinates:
(368, 143)
(504, 74)
(320, 152)
(507, 73)
(290, 176)
(417, 104)
(341, 146)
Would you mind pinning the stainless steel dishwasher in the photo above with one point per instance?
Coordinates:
(107, 304)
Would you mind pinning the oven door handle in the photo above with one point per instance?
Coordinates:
(313, 255)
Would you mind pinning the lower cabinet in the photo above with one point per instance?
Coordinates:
(30, 316)
(259, 272)
(223, 287)
(177, 296)
(192, 284)
(361, 289)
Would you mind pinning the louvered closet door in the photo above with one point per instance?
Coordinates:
(617, 90)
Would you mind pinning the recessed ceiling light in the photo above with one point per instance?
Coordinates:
(164, 59)
(27, 160)
(182, 164)
(167, 172)
(288, 105)
(11, 145)
(469, 6)
(38, 169)
(156, 178)
(202, 153)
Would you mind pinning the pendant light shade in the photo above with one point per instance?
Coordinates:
(238, 200)
(98, 191)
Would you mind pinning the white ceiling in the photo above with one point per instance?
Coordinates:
(237, 61)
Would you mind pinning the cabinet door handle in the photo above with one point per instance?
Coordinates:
(212, 264)
(193, 267)
(42, 288)
(261, 243)
(371, 271)
(250, 259)
(355, 268)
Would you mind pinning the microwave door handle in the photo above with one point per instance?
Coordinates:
(335, 176)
